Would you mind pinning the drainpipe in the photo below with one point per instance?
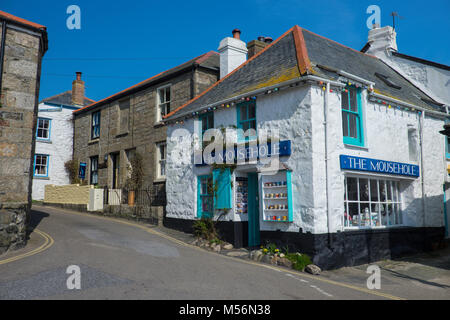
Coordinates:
(2, 53)
(421, 122)
(327, 188)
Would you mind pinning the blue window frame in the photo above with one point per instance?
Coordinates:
(352, 120)
(43, 129)
(246, 118)
(447, 147)
(95, 128)
(205, 197)
(41, 165)
(207, 121)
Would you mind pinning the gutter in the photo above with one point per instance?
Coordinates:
(396, 101)
(260, 91)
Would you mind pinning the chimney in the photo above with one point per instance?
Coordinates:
(233, 52)
(258, 45)
(78, 90)
(382, 40)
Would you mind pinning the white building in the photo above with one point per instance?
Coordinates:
(362, 162)
(54, 137)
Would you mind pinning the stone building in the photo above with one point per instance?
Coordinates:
(354, 168)
(23, 44)
(110, 132)
(54, 137)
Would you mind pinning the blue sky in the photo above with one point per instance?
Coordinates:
(123, 42)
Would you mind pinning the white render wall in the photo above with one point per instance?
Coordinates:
(386, 138)
(298, 114)
(59, 148)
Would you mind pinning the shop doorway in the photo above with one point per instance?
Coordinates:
(253, 210)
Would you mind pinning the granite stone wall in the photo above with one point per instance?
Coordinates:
(18, 108)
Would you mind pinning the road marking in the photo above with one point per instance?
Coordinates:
(293, 272)
(47, 244)
(320, 290)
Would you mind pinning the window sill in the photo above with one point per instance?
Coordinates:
(43, 140)
(159, 180)
(123, 134)
(351, 146)
(41, 178)
(158, 124)
(96, 140)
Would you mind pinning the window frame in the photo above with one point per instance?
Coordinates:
(48, 129)
(46, 165)
(159, 116)
(200, 196)
(91, 171)
(159, 159)
(447, 151)
(397, 212)
(204, 117)
(359, 140)
(240, 122)
(94, 126)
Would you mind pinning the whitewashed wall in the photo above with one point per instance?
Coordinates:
(59, 148)
(298, 114)
(386, 138)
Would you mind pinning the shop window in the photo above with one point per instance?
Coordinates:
(371, 202)
(352, 120)
(246, 120)
(43, 129)
(41, 165)
(95, 125)
(205, 196)
(94, 170)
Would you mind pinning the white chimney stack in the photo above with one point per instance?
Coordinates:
(233, 53)
(382, 40)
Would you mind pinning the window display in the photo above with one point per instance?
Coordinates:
(241, 195)
(371, 202)
(277, 198)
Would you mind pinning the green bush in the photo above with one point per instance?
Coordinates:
(205, 228)
(299, 261)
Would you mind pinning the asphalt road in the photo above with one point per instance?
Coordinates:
(119, 260)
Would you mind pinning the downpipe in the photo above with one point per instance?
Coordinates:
(327, 188)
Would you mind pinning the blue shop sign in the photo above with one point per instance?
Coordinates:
(379, 166)
(251, 152)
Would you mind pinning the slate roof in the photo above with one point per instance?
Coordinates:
(300, 52)
(65, 98)
(207, 60)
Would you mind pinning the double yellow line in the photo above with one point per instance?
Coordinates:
(48, 242)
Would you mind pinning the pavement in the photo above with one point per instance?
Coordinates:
(122, 259)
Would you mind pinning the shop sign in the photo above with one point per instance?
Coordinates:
(379, 166)
(249, 152)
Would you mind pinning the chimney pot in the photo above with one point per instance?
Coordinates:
(261, 38)
(236, 34)
(268, 40)
(78, 90)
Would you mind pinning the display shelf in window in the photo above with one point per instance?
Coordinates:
(241, 195)
(277, 197)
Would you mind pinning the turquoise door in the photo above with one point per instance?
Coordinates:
(253, 210)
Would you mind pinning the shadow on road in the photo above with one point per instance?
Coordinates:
(35, 219)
